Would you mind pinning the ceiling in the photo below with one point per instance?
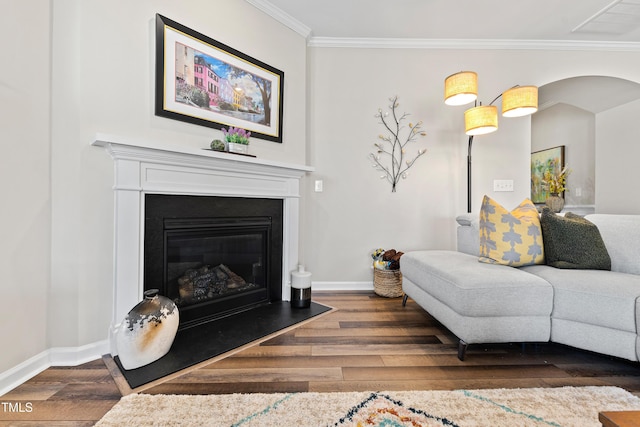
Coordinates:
(576, 24)
(576, 20)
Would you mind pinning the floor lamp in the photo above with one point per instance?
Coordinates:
(462, 88)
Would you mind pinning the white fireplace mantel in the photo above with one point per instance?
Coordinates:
(142, 167)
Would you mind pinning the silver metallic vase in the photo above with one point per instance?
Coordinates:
(148, 331)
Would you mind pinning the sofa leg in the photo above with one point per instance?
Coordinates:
(404, 299)
(462, 349)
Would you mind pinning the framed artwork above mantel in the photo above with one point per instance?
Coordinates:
(202, 81)
(550, 159)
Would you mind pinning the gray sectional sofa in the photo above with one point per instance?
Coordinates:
(596, 310)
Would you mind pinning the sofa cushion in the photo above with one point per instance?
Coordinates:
(621, 237)
(594, 297)
(571, 241)
(510, 238)
(476, 289)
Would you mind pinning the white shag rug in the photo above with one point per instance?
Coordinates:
(564, 406)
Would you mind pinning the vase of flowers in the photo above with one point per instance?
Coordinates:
(237, 140)
(554, 202)
(556, 185)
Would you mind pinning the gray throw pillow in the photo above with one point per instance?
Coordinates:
(572, 242)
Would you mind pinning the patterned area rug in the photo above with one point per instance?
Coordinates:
(565, 406)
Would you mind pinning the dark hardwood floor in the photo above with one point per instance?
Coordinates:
(367, 343)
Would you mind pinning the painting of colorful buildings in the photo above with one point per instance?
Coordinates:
(205, 82)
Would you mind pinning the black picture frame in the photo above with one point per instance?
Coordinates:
(202, 81)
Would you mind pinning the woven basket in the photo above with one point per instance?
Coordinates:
(387, 283)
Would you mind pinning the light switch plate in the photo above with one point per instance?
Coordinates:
(502, 185)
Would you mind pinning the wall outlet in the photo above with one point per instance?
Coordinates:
(502, 185)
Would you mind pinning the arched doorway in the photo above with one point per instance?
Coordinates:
(586, 115)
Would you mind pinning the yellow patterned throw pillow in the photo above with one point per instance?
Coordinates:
(510, 238)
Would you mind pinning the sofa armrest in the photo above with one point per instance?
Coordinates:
(468, 234)
(466, 219)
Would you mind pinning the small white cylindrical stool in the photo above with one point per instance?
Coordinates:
(300, 288)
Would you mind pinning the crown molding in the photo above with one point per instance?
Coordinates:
(475, 44)
(414, 43)
(282, 17)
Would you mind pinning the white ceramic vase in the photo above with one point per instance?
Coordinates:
(148, 331)
(238, 148)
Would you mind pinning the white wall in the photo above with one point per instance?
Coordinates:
(76, 68)
(24, 179)
(103, 81)
(617, 154)
(574, 128)
(102, 58)
(357, 212)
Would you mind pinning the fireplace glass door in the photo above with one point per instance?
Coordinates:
(213, 256)
(216, 266)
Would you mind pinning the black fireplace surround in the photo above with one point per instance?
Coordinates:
(213, 256)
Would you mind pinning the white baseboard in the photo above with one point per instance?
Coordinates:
(57, 356)
(341, 286)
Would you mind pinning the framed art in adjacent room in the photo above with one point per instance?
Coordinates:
(550, 159)
(202, 81)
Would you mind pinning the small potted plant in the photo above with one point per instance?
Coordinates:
(237, 140)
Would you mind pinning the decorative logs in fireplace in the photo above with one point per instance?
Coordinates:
(208, 282)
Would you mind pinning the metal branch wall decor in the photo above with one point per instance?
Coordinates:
(390, 154)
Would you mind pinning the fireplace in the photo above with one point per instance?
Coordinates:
(213, 256)
(143, 168)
